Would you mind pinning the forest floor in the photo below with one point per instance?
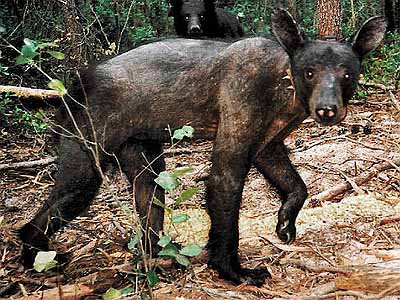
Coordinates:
(347, 246)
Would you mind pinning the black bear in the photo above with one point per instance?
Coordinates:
(200, 18)
(237, 95)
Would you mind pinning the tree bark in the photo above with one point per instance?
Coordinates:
(76, 55)
(329, 19)
(392, 14)
(292, 7)
(373, 281)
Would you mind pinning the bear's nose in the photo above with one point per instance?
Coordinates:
(326, 113)
(195, 29)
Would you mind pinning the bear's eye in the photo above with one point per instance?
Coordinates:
(309, 74)
(187, 18)
(201, 17)
(346, 76)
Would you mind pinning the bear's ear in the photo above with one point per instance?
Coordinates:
(287, 31)
(369, 36)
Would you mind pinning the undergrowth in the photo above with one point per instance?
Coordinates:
(13, 113)
(382, 66)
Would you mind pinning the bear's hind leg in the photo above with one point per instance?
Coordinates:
(77, 183)
(134, 159)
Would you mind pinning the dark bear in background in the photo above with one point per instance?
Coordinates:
(239, 95)
(200, 18)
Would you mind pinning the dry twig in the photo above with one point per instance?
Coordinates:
(395, 101)
(23, 92)
(65, 292)
(313, 268)
(335, 191)
(28, 164)
(390, 219)
(376, 85)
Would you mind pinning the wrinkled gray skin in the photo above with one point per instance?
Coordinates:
(235, 94)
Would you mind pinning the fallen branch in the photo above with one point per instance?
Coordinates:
(331, 291)
(181, 151)
(372, 281)
(32, 281)
(388, 220)
(359, 180)
(77, 254)
(312, 267)
(320, 290)
(354, 185)
(23, 92)
(274, 241)
(64, 292)
(226, 294)
(335, 295)
(28, 164)
(376, 85)
(394, 100)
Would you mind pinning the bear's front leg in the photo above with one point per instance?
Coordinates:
(276, 167)
(224, 193)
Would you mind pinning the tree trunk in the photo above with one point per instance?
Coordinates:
(292, 7)
(329, 19)
(392, 14)
(77, 53)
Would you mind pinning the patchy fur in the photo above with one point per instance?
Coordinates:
(238, 95)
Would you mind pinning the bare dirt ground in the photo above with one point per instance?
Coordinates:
(348, 244)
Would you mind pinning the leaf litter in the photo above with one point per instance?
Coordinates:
(347, 248)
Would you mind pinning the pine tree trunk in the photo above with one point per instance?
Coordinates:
(392, 14)
(329, 19)
(292, 7)
(76, 55)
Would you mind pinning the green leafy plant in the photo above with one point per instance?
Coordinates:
(57, 85)
(36, 120)
(33, 49)
(3, 71)
(13, 112)
(5, 104)
(254, 16)
(115, 294)
(181, 256)
(170, 181)
(140, 34)
(382, 65)
(362, 94)
(44, 261)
